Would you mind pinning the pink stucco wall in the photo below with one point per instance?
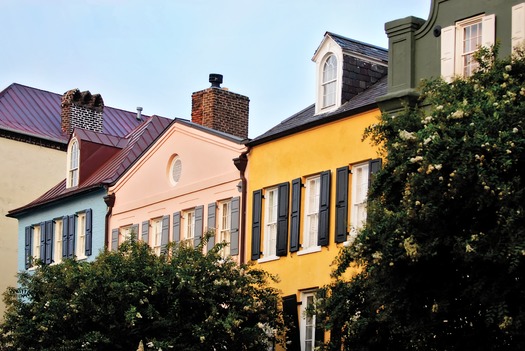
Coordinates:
(208, 175)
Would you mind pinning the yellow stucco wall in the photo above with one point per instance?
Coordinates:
(27, 172)
(302, 154)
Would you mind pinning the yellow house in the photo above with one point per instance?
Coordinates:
(308, 178)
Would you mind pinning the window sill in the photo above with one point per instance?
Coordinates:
(309, 250)
(267, 259)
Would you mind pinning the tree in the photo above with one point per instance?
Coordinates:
(442, 256)
(183, 300)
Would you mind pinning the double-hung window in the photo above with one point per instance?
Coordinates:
(270, 223)
(460, 42)
(224, 226)
(58, 232)
(37, 241)
(74, 154)
(329, 81)
(81, 236)
(311, 218)
(189, 226)
(359, 193)
(308, 323)
(156, 235)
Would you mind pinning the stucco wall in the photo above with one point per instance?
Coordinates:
(93, 200)
(27, 172)
(208, 175)
(302, 154)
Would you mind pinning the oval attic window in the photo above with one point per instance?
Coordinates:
(176, 169)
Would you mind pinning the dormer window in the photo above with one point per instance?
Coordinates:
(73, 161)
(329, 81)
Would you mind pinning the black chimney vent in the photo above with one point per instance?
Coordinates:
(215, 80)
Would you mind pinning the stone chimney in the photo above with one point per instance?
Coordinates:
(219, 109)
(81, 110)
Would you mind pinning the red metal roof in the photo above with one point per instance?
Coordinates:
(137, 142)
(34, 112)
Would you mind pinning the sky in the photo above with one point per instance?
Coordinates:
(156, 53)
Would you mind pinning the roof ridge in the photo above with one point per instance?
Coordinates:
(356, 41)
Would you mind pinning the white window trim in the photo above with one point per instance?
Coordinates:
(80, 242)
(452, 41)
(188, 217)
(305, 296)
(355, 223)
(155, 235)
(224, 230)
(175, 162)
(271, 199)
(328, 49)
(124, 233)
(36, 243)
(72, 176)
(58, 231)
(309, 244)
(330, 82)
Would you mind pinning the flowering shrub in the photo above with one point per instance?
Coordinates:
(184, 300)
(443, 251)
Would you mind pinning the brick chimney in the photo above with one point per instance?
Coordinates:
(219, 109)
(81, 110)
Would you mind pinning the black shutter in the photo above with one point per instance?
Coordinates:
(341, 205)
(145, 232)
(89, 232)
(295, 216)
(211, 225)
(114, 240)
(374, 166)
(42, 241)
(65, 229)
(48, 258)
(291, 321)
(323, 234)
(199, 225)
(282, 219)
(176, 227)
(165, 236)
(256, 224)
(71, 237)
(234, 226)
(28, 246)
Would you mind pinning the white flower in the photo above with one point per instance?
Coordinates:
(416, 159)
(508, 68)
(439, 108)
(457, 114)
(514, 130)
(403, 134)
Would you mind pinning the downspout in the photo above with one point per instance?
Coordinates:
(110, 202)
(241, 162)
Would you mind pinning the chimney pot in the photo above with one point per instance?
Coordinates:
(215, 80)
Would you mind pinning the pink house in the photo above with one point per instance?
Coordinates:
(187, 183)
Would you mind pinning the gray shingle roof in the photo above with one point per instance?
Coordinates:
(360, 47)
(307, 118)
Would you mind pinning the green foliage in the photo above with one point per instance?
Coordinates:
(443, 252)
(183, 300)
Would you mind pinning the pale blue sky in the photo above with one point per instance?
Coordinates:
(156, 53)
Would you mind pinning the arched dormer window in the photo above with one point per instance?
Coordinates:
(329, 81)
(72, 164)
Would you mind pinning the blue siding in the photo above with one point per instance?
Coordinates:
(93, 200)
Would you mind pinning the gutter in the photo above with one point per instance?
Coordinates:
(241, 162)
(110, 202)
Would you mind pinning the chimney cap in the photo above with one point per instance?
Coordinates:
(215, 80)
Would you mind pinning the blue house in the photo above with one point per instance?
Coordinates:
(70, 219)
